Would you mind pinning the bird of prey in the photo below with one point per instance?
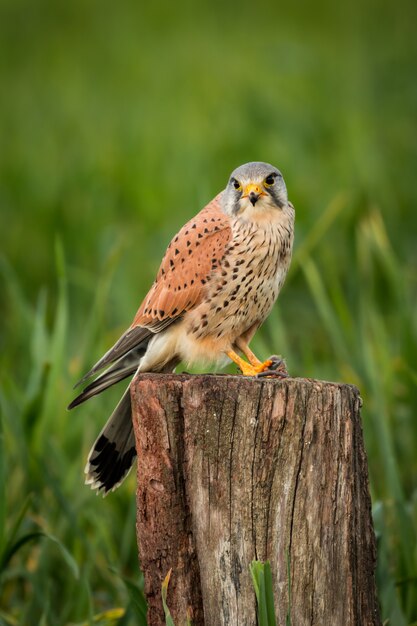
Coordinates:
(217, 283)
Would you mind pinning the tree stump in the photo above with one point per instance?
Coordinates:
(232, 469)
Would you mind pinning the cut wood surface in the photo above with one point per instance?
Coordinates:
(232, 469)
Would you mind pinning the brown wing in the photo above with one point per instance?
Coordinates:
(185, 270)
(186, 267)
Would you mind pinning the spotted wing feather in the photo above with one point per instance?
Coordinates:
(179, 286)
(185, 269)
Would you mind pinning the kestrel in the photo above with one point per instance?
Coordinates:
(217, 283)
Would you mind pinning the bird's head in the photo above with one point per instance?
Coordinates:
(256, 187)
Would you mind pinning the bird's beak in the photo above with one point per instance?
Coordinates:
(253, 192)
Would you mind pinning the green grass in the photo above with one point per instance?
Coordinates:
(263, 585)
(116, 125)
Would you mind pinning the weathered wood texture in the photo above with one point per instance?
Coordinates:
(231, 469)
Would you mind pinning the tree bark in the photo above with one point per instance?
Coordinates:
(232, 469)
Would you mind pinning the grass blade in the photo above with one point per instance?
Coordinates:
(11, 550)
(269, 593)
(9, 541)
(137, 600)
(168, 618)
(262, 582)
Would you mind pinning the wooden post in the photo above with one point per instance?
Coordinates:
(231, 469)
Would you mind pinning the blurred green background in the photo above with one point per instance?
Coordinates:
(118, 122)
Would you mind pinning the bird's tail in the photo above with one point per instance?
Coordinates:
(113, 452)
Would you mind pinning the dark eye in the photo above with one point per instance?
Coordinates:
(236, 184)
(269, 180)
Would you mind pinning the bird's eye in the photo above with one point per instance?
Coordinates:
(237, 185)
(269, 180)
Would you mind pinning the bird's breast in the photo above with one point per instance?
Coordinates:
(244, 287)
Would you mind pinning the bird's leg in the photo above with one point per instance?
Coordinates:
(274, 366)
(252, 358)
(242, 344)
(248, 369)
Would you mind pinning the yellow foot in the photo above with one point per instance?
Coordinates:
(248, 369)
(254, 370)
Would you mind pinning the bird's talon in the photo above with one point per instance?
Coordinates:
(278, 363)
(277, 369)
(273, 374)
(254, 370)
